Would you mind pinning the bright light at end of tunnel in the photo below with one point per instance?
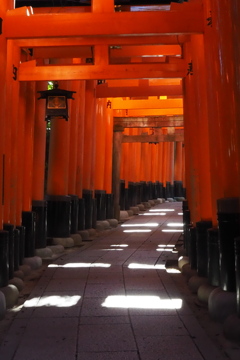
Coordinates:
(140, 225)
(141, 302)
(137, 231)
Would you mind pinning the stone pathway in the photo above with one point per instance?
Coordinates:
(112, 299)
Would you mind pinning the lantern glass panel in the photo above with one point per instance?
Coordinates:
(56, 102)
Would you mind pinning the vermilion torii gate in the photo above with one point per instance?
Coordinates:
(188, 52)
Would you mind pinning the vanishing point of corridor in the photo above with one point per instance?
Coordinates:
(112, 299)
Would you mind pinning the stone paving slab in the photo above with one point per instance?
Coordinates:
(111, 299)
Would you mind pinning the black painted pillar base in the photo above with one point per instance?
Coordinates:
(81, 214)
(4, 263)
(74, 214)
(88, 197)
(122, 195)
(213, 257)
(16, 236)
(202, 252)
(22, 234)
(58, 216)
(100, 196)
(178, 188)
(126, 196)
(94, 214)
(237, 266)
(186, 223)
(29, 222)
(193, 246)
(40, 209)
(229, 229)
(109, 206)
(10, 229)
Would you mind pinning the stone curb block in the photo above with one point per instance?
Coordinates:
(84, 234)
(182, 260)
(44, 252)
(34, 262)
(204, 292)
(113, 222)
(195, 282)
(66, 242)
(17, 282)
(222, 304)
(56, 249)
(77, 239)
(11, 294)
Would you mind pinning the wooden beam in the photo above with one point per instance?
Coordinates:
(22, 25)
(28, 71)
(119, 103)
(150, 50)
(103, 40)
(147, 112)
(153, 138)
(151, 121)
(104, 91)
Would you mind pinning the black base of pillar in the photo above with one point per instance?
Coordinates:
(178, 188)
(81, 214)
(193, 247)
(40, 209)
(58, 216)
(202, 253)
(22, 234)
(229, 229)
(16, 235)
(87, 195)
(10, 229)
(29, 222)
(100, 196)
(237, 264)
(109, 206)
(74, 214)
(213, 257)
(4, 264)
(94, 213)
(122, 195)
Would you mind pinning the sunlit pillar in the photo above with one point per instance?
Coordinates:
(108, 151)
(100, 143)
(117, 145)
(178, 161)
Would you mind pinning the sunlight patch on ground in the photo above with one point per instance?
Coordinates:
(53, 300)
(141, 302)
(180, 213)
(171, 230)
(120, 245)
(146, 266)
(137, 231)
(175, 224)
(139, 225)
(80, 265)
(152, 214)
(161, 210)
(166, 246)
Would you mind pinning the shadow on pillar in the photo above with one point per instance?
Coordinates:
(109, 206)
(229, 229)
(202, 251)
(100, 196)
(58, 216)
(4, 262)
(88, 198)
(10, 229)
(81, 214)
(29, 222)
(213, 257)
(74, 214)
(40, 209)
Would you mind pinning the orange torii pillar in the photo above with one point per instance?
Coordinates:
(89, 153)
(80, 98)
(108, 161)
(124, 174)
(74, 145)
(160, 169)
(100, 192)
(59, 203)
(145, 170)
(154, 161)
(178, 169)
(5, 128)
(39, 204)
(221, 37)
(116, 164)
(132, 170)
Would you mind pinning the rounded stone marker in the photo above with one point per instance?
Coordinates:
(11, 294)
(222, 304)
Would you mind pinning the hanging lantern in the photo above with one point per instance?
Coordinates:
(56, 102)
